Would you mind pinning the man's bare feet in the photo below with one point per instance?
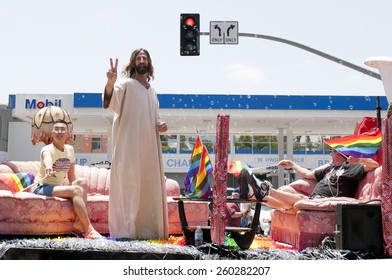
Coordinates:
(93, 234)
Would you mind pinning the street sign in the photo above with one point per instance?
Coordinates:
(224, 32)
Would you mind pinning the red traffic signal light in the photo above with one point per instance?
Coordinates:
(190, 21)
(190, 34)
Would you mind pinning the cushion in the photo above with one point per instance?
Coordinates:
(323, 204)
(304, 185)
(15, 182)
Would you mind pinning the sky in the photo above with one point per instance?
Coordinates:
(62, 47)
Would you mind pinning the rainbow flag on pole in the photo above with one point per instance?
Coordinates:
(236, 166)
(365, 145)
(196, 180)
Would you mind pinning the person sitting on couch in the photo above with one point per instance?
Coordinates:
(338, 178)
(58, 161)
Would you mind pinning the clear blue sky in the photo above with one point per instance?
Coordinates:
(62, 47)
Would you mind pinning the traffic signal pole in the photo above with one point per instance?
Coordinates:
(322, 54)
(306, 48)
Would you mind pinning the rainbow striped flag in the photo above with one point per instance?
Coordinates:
(16, 182)
(196, 180)
(365, 145)
(236, 166)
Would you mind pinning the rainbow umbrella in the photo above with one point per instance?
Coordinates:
(236, 166)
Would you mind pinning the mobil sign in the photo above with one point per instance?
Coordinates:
(36, 103)
(28, 104)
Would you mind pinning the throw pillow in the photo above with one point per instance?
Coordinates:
(15, 182)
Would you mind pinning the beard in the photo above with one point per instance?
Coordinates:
(143, 69)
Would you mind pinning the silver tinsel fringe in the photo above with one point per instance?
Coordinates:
(204, 252)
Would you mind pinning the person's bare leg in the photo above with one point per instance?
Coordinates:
(78, 226)
(281, 199)
(76, 194)
(83, 184)
(274, 203)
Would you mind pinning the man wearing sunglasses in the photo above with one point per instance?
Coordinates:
(338, 178)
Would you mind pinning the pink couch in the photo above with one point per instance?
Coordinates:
(315, 218)
(24, 213)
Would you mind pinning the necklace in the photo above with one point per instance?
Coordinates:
(337, 173)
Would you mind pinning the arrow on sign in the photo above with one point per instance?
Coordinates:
(219, 29)
(228, 30)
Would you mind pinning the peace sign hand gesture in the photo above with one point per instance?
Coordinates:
(112, 72)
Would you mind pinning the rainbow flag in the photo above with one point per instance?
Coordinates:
(365, 145)
(194, 165)
(196, 180)
(236, 166)
(16, 182)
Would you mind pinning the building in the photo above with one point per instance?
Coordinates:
(263, 128)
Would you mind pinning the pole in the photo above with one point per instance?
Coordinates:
(378, 110)
(322, 54)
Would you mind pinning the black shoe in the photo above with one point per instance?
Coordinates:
(260, 188)
(243, 184)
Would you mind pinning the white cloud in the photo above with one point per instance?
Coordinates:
(243, 73)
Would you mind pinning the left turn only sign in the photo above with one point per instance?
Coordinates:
(224, 32)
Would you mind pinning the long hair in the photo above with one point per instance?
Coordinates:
(130, 68)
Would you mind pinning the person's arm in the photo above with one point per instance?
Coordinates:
(239, 214)
(47, 162)
(112, 77)
(71, 173)
(305, 173)
(368, 163)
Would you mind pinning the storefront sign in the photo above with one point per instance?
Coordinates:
(33, 103)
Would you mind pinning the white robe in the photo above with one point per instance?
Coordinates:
(137, 198)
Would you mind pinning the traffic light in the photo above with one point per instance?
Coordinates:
(190, 34)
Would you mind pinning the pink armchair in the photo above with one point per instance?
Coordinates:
(315, 218)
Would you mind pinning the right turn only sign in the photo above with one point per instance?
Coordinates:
(224, 32)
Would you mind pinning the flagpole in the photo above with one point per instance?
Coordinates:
(346, 157)
(378, 109)
(266, 168)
